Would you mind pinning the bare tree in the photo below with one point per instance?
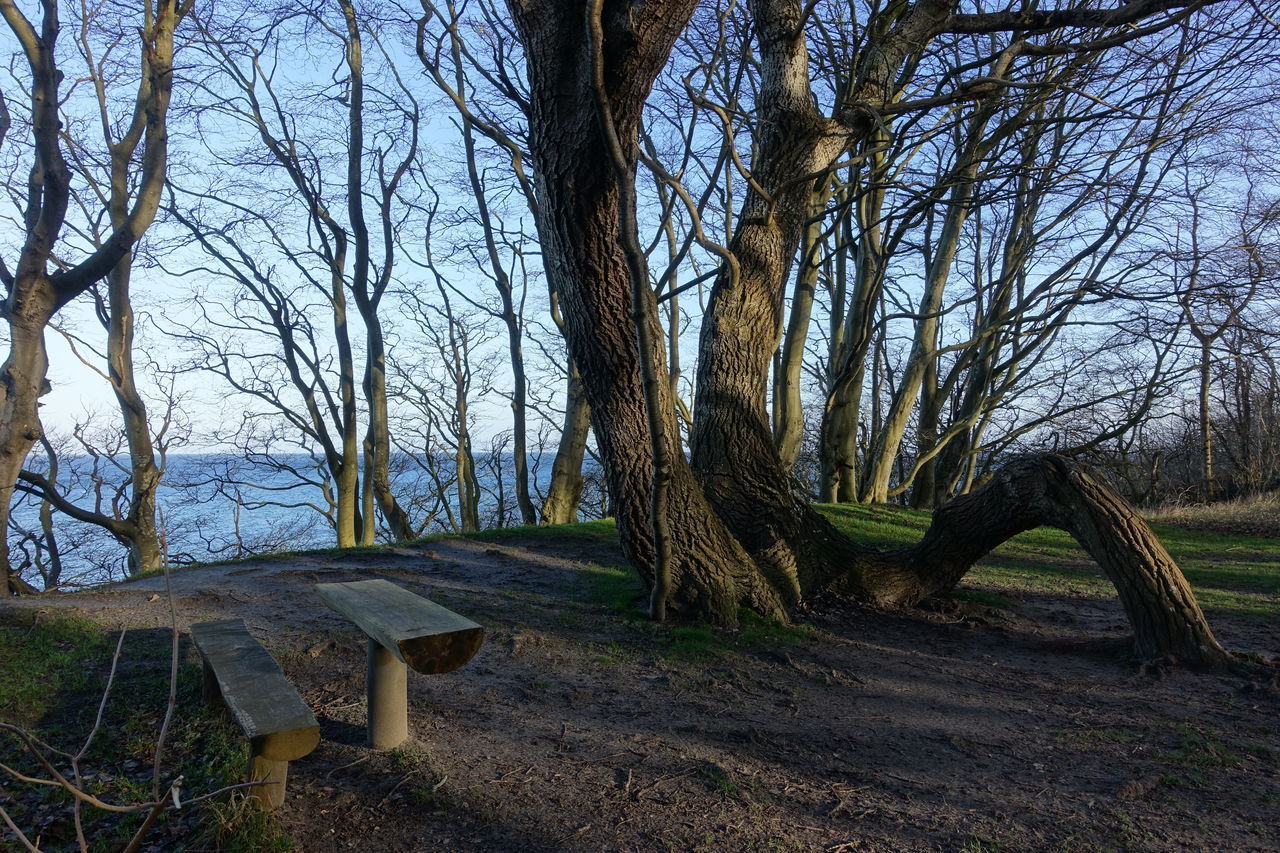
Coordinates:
(34, 293)
(792, 550)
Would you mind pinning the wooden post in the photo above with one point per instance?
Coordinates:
(388, 692)
(274, 773)
(405, 631)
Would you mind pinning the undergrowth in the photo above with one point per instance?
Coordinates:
(53, 669)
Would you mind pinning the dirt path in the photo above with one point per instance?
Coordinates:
(576, 729)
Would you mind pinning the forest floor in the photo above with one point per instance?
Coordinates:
(1005, 717)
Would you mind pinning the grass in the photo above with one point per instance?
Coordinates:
(1258, 516)
(42, 657)
(1231, 573)
(1231, 567)
(53, 669)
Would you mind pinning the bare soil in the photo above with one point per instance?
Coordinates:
(577, 729)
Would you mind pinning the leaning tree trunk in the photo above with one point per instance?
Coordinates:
(791, 552)
(798, 551)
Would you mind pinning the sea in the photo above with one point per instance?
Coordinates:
(218, 506)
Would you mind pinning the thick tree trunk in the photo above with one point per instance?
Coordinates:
(711, 576)
(790, 551)
(1052, 491)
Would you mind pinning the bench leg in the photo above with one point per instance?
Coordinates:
(210, 690)
(388, 692)
(275, 773)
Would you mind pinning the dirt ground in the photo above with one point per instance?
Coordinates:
(575, 729)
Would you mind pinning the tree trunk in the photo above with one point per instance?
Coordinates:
(377, 443)
(565, 489)
(34, 295)
(790, 551)
(1052, 491)
(888, 440)
(22, 378)
(789, 416)
(1206, 424)
(711, 576)
(145, 553)
(852, 328)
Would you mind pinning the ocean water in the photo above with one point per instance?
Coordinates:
(214, 506)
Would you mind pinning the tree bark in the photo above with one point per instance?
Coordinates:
(578, 195)
(34, 295)
(763, 547)
(1052, 491)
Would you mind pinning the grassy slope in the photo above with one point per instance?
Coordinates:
(1240, 574)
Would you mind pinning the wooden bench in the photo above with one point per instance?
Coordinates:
(242, 676)
(404, 630)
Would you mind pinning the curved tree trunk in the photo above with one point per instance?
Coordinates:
(711, 576)
(797, 550)
(1049, 490)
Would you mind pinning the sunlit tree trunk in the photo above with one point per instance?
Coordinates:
(564, 491)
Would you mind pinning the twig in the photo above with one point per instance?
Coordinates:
(173, 684)
(157, 809)
(97, 724)
(396, 786)
(656, 782)
(18, 832)
(345, 766)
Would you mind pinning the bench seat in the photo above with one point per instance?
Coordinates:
(243, 676)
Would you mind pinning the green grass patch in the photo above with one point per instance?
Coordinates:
(691, 642)
(1195, 749)
(754, 630)
(616, 588)
(43, 656)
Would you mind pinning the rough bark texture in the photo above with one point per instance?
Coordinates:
(711, 576)
(791, 552)
(733, 450)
